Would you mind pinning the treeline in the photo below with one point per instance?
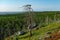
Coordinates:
(9, 24)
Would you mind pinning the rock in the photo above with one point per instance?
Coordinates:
(48, 32)
(20, 33)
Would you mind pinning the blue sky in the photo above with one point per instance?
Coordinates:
(37, 5)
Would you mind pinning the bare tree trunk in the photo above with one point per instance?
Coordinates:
(55, 17)
(30, 21)
(5, 34)
(47, 20)
(2, 35)
(8, 30)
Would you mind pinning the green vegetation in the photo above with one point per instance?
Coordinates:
(10, 24)
(41, 32)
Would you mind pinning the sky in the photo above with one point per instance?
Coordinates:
(37, 5)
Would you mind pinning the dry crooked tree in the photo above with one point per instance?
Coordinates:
(55, 17)
(47, 20)
(1, 35)
(29, 17)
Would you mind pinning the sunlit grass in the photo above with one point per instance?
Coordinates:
(40, 32)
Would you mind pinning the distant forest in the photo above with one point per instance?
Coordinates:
(11, 23)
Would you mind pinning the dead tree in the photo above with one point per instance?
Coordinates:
(55, 17)
(58, 19)
(29, 17)
(47, 20)
(2, 35)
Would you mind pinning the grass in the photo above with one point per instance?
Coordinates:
(40, 32)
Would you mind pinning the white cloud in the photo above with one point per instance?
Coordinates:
(4, 7)
(11, 7)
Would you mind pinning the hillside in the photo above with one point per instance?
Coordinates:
(40, 33)
(10, 24)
